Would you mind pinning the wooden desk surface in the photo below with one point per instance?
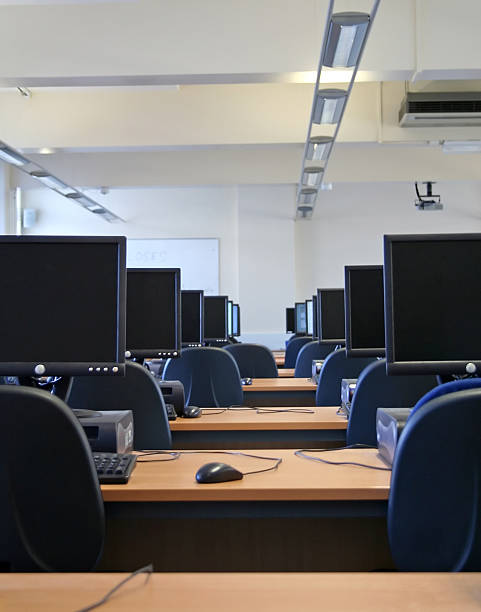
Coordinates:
(280, 384)
(279, 357)
(286, 372)
(295, 479)
(262, 592)
(324, 417)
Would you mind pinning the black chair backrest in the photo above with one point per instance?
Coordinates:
(336, 367)
(54, 492)
(292, 349)
(309, 352)
(253, 360)
(375, 389)
(137, 391)
(210, 377)
(434, 517)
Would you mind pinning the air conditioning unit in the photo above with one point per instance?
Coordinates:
(454, 108)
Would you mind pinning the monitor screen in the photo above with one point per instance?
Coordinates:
(153, 312)
(192, 318)
(364, 298)
(300, 318)
(290, 321)
(330, 305)
(236, 327)
(229, 318)
(62, 310)
(215, 317)
(315, 332)
(309, 317)
(432, 287)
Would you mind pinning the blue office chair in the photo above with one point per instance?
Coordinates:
(336, 367)
(137, 391)
(292, 349)
(311, 350)
(375, 389)
(54, 494)
(210, 377)
(253, 360)
(434, 518)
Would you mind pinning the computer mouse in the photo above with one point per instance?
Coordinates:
(217, 472)
(191, 412)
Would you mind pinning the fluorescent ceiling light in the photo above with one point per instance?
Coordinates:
(52, 182)
(305, 211)
(84, 201)
(329, 105)
(462, 146)
(318, 147)
(12, 157)
(345, 39)
(307, 195)
(312, 177)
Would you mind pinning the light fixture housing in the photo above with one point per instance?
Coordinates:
(329, 105)
(307, 195)
(345, 39)
(12, 157)
(305, 211)
(52, 182)
(318, 148)
(312, 176)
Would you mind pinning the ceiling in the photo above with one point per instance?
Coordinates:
(151, 93)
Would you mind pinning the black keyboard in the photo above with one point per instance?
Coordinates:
(114, 468)
(171, 414)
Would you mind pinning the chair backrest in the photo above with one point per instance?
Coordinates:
(137, 391)
(210, 377)
(311, 350)
(434, 510)
(336, 367)
(375, 389)
(253, 360)
(292, 349)
(54, 490)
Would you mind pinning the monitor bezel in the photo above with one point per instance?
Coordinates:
(340, 341)
(161, 352)
(216, 339)
(315, 325)
(230, 306)
(416, 367)
(80, 368)
(311, 334)
(350, 351)
(293, 330)
(296, 330)
(236, 307)
(200, 292)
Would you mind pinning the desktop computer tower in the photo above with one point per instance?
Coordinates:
(112, 431)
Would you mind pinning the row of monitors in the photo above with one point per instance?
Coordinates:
(70, 307)
(422, 309)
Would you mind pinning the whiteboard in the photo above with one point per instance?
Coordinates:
(198, 259)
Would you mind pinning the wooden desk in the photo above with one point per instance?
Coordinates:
(286, 372)
(280, 392)
(279, 357)
(274, 521)
(237, 428)
(377, 592)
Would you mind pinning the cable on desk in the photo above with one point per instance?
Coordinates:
(302, 454)
(298, 410)
(213, 411)
(173, 455)
(278, 460)
(148, 569)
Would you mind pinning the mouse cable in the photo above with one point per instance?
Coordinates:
(148, 569)
(278, 460)
(298, 410)
(173, 455)
(302, 454)
(213, 411)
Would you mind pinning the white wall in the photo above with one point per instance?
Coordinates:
(350, 221)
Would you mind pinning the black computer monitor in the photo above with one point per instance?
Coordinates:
(290, 321)
(192, 317)
(62, 310)
(230, 304)
(153, 312)
(300, 318)
(236, 326)
(309, 317)
(330, 307)
(432, 290)
(315, 332)
(364, 306)
(215, 318)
